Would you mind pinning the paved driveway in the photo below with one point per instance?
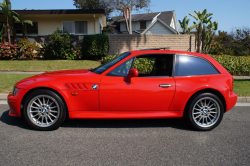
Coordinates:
(126, 142)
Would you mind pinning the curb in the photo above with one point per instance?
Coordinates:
(3, 96)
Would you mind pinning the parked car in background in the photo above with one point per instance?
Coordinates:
(151, 83)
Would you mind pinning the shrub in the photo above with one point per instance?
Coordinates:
(8, 51)
(28, 49)
(61, 47)
(143, 65)
(95, 47)
(235, 65)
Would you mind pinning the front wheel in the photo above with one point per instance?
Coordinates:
(44, 110)
(205, 111)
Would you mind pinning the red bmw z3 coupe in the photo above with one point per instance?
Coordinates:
(150, 83)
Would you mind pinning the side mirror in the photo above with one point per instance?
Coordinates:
(131, 73)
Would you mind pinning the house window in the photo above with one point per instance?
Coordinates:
(77, 27)
(142, 24)
(29, 29)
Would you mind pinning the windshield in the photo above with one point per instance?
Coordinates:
(104, 67)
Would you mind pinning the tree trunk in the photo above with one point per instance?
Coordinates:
(8, 29)
(130, 21)
(126, 19)
(14, 34)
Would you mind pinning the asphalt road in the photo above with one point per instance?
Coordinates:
(126, 142)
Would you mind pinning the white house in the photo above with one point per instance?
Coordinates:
(149, 23)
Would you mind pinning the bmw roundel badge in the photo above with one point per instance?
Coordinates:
(94, 86)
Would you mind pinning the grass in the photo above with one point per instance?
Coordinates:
(242, 87)
(7, 81)
(46, 65)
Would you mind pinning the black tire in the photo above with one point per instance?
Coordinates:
(44, 110)
(204, 111)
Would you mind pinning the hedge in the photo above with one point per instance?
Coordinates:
(235, 65)
(95, 47)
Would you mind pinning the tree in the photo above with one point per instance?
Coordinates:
(184, 25)
(23, 22)
(9, 14)
(94, 4)
(126, 7)
(205, 30)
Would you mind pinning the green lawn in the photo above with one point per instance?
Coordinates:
(242, 87)
(46, 65)
(7, 81)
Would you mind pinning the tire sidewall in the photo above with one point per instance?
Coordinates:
(52, 94)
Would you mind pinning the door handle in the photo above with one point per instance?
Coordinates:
(165, 85)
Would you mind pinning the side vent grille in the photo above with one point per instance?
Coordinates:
(75, 86)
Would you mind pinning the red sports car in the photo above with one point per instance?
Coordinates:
(151, 83)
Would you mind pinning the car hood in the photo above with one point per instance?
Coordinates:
(58, 79)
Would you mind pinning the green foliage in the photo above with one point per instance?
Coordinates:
(94, 4)
(235, 43)
(28, 49)
(184, 25)
(8, 51)
(205, 30)
(8, 14)
(60, 46)
(95, 46)
(235, 65)
(143, 65)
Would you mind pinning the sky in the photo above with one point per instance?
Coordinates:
(230, 14)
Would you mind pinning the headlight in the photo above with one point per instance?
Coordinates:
(14, 92)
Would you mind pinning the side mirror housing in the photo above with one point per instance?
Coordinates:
(131, 73)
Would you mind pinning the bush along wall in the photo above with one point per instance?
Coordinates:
(61, 47)
(95, 47)
(235, 65)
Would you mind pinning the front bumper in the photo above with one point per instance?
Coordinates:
(15, 103)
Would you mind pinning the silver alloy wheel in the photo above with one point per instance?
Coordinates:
(43, 110)
(206, 112)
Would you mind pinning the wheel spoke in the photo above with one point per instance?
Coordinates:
(34, 107)
(36, 104)
(50, 118)
(52, 115)
(40, 101)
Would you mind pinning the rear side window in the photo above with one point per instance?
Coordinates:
(191, 65)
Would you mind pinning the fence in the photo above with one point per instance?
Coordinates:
(123, 42)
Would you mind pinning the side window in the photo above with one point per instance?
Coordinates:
(154, 65)
(190, 65)
(122, 70)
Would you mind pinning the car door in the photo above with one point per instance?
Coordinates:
(152, 90)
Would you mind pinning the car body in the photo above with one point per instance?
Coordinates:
(151, 83)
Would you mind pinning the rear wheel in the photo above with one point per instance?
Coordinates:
(44, 110)
(205, 111)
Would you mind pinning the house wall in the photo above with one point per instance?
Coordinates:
(159, 28)
(135, 26)
(47, 24)
(122, 43)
